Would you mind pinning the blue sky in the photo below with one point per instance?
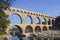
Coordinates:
(50, 7)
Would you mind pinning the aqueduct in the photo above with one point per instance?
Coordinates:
(32, 27)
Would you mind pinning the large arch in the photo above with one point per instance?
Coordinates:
(50, 28)
(19, 28)
(16, 30)
(37, 29)
(15, 18)
(44, 28)
(43, 20)
(28, 19)
(28, 29)
(49, 22)
(37, 20)
(52, 21)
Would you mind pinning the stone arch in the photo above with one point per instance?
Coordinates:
(16, 28)
(52, 21)
(44, 28)
(16, 31)
(20, 29)
(13, 10)
(28, 19)
(28, 29)
(15, 18)
(50, 28)
(37, 29)
(49, 21)
(37, 20)
(17, 11)
(43, 20)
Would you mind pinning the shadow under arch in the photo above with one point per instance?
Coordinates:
(44, 28)
(37, 29)
(28, 29)
(13, 19)
(52, 21)
(49, 21)
(28, 19)
(16, 31)
(19, 28)
(37, 20)
(50, 28)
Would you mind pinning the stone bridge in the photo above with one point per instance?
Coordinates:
(41, 27)
(31, 27)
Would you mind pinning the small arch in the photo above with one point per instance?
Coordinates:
(28, 19)
(15, 18)
(37, 29)
(44, 21)
(50, 28)
(44, 28)
(31, 13)
(13, 10)
(28, 29)
(28, 12)
(25, 12)
(37, 20)
(17, 10)
(21, 11)
(34, 13)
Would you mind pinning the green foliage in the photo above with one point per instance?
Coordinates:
(6, 3)
(3, 17)
(3, 38)
(56, 25)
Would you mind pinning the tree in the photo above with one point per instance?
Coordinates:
(4, 4)
(56, 25)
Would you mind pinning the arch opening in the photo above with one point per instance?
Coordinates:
(28, 20)
(16, 31)
(52, 21)
(37, 20)
(28, 29)
(44, 21)
(50, 28)
(37, 29)
(15, 18)
(49, 22)
(15, 28)
(44, 28)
